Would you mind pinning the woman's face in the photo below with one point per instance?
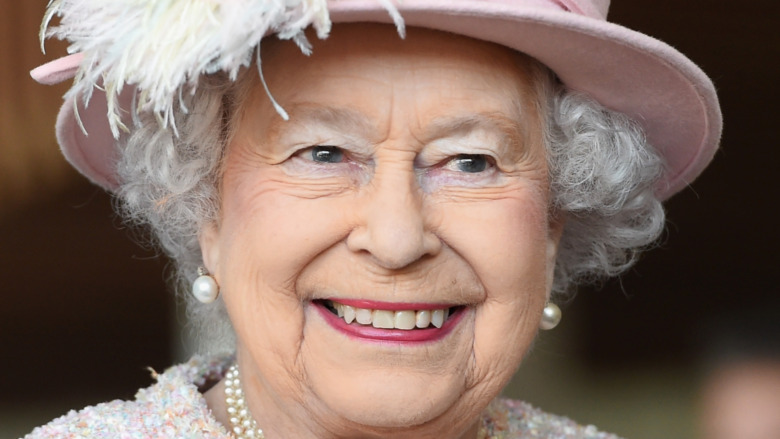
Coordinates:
(409, 186)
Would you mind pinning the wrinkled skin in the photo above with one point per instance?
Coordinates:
(395, 215)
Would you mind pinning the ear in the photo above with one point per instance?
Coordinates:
(208, 238)
(555, 231)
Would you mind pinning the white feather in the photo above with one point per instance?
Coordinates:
(163, 46)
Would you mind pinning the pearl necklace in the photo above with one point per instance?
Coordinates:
(244, 426)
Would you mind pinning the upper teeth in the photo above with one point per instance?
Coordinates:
(385, 319)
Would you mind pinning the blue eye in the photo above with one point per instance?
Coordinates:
(327, 154)
(471, 163)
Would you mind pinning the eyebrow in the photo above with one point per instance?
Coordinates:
(345, 120)
(510, 130)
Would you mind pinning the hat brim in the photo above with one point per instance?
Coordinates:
(648, 80)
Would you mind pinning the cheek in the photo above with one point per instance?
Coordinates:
(505, 241)
(267, 235)
(279, 230)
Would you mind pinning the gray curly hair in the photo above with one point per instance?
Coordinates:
(602, 176)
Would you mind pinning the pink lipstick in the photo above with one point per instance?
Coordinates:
(389, 321)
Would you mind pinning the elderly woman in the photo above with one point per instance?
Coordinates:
(379, 229)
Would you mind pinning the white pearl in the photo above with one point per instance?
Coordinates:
(205, 289)
(551, 316)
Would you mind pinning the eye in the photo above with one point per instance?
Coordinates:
(471, 163)
(324, 154)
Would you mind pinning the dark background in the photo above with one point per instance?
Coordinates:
(84, 309)
(718, 264)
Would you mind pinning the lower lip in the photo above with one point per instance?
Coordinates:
(364, 332)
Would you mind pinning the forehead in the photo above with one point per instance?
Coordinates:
(367, 68)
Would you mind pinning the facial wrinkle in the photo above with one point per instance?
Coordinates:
(312, 189)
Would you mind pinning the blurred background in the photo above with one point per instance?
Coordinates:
(663, 352)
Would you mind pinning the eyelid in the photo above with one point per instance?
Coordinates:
(308, 147)
(438, 154)
(299, 137)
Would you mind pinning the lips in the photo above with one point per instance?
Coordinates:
(390, 321)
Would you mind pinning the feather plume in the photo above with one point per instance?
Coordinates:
(162, 47)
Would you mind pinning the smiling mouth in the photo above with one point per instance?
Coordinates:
(405, 319)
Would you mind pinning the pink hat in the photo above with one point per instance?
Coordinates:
(668, 95)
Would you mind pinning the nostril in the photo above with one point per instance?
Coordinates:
(393, 245)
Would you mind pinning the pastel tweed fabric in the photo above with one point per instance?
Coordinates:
(174, 408)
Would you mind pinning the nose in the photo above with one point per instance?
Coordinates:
(393, 227)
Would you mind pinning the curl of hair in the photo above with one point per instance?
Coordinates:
(602, 179)
(602, 174)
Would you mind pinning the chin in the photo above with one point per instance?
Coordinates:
(392, 402)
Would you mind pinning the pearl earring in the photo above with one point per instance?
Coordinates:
(551, 316)
(205, 287)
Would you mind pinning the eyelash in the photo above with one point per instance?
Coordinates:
(334, 155)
